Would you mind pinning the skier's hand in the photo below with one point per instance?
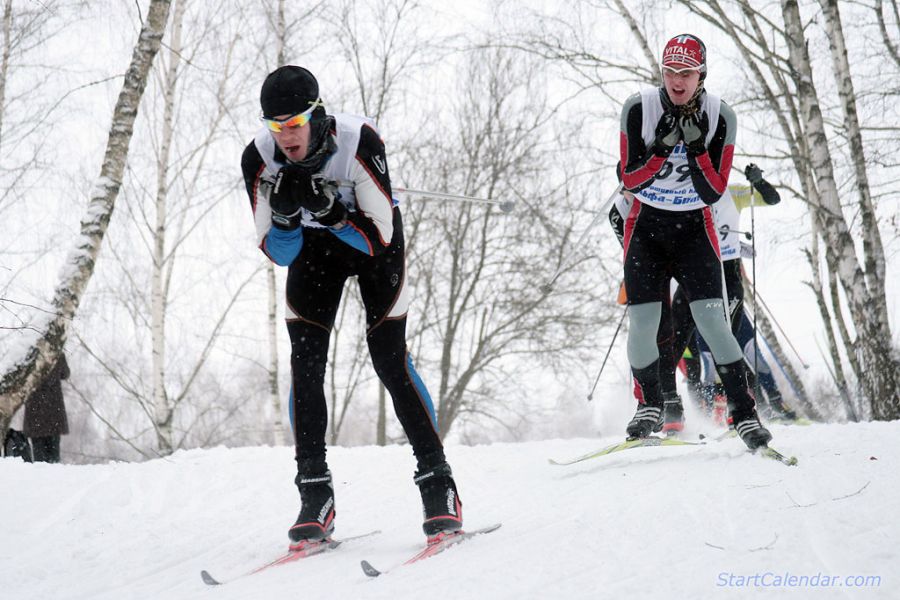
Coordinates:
(667, 134)
(284, 199)
(320, 198)
(694, 129)
(753, 174)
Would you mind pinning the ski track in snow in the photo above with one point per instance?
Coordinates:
(650, 522)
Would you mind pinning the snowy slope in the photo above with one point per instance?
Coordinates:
(651, 522)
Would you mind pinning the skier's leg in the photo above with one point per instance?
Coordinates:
(697, 271)
(382, 284)
(313, 292)
(646, 284)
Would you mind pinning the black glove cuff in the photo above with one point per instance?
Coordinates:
(335, 215)
(285, 222)
(696, 148)
(660, 149)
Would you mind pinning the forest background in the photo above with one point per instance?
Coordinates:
(177, 341)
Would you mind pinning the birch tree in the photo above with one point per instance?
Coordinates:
(170, 195)
(787, 87)
(880, 374)
(40, 354)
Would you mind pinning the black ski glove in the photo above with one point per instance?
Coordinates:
(694, 129)
(294, 189)
(768, 192)
(753, 174)
(320, 198)
(284, 199)
(667, 134)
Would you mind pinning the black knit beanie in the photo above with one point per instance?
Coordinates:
(289, 90)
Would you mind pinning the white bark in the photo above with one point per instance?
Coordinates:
(18, 382)
(882, 26)
(163, 410)
(4, 61)
(274, 394)
(880, 367)
(873, 249)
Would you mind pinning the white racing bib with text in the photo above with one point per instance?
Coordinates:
(672, 188)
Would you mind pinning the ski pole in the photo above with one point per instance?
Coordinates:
(605, 358)
(725, 230)
(506, 206)
(752, 239)
(548, 287)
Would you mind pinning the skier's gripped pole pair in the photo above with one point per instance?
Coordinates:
(676, 149)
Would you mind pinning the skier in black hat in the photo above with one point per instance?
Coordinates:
(321, 197)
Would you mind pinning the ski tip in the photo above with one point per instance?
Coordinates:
(368, 569)
(490, 528)
(768, 452)
(209, 579)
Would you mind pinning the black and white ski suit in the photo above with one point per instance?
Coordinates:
(369, 246)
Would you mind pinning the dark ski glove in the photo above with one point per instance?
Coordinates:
(667, 134)
(284, 199)
(694, 129)
(294, 189)
(753, 174)
(320, 198)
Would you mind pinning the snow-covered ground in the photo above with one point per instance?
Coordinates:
(679, 522)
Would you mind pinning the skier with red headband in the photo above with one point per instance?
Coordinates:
(676, 147)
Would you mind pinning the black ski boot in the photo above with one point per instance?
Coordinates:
(316, 519)
(751, 430)
(440, 501)
(673, 411)
(648, 418)
(742, 405)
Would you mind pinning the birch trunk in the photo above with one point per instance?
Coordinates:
(819, 291)
(163, 411)
(274, 376)
(843, 387)
(765, 329)
(885, 36)
(37, 360)
(873, 249)
(4, 62)
(879, 377)
(274, 395)
(381, 425)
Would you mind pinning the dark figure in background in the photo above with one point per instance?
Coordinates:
(45, 414)
(320, 191)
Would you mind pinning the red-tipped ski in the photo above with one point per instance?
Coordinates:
(435, 545)
(298, 551)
